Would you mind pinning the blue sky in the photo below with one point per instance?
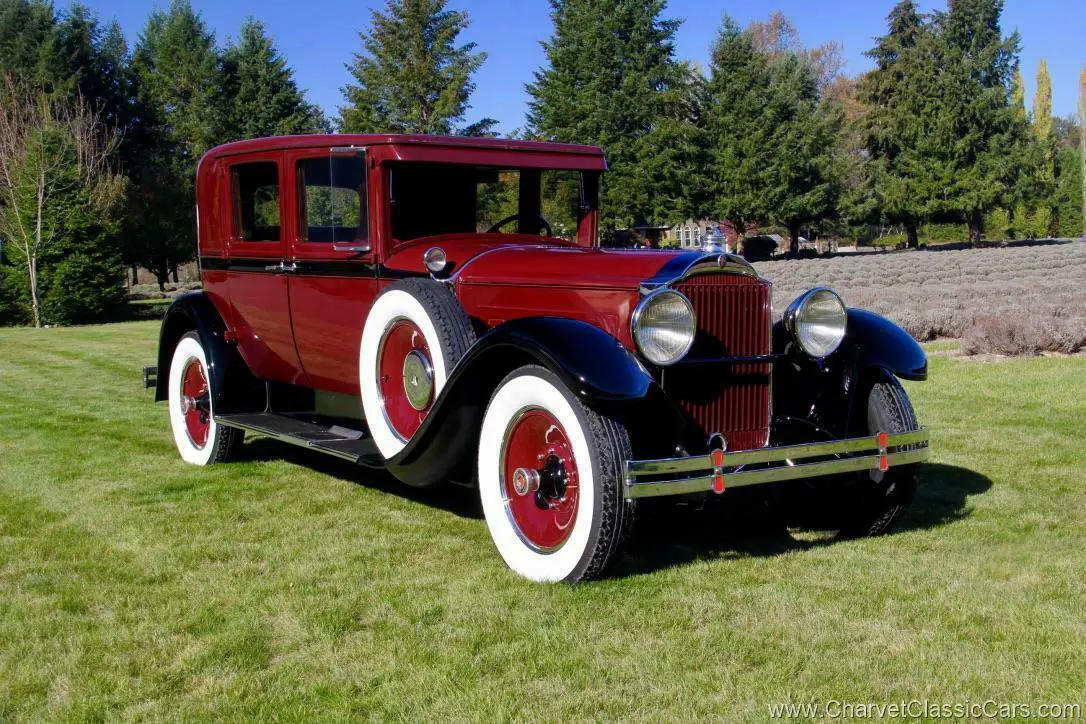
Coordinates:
(319, 36)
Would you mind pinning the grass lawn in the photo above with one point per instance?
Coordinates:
(290, 586)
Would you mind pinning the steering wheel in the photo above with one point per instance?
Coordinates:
(497, 227)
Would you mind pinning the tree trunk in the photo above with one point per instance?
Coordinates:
(793, 231)
(35, 305)
(976, 226)
(912, 235)
(173, 273)
(135, 275)
(162, 275)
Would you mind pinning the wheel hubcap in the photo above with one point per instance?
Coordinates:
(540, 481)
(196, 402)
(418, 379)
(405, 377)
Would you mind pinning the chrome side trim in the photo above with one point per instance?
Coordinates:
(702, 473)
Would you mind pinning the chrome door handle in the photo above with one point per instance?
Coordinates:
(282, 267)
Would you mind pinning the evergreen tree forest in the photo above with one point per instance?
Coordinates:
(100, 134)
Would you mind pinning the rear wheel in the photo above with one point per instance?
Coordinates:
(551, 480)
(199, 439)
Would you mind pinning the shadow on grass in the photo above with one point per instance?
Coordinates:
(456, 499)
(741, 524)
(675, 532)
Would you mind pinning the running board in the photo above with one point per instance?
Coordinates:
(341, 442)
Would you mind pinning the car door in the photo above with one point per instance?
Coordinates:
(335, 278)
(257, 268)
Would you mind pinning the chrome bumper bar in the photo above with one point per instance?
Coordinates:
(720, 470)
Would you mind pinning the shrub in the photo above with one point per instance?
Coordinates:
(12, 297)
(941, 233)
(83, 288)
(1022, 334)
(759, 248)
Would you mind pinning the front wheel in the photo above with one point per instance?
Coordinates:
(881, 497)
(551, 480)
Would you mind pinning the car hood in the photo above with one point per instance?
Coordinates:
(515, 259)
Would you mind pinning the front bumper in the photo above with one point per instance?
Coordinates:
(720, 470)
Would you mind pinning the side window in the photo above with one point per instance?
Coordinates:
(256, 201)
(332, 199)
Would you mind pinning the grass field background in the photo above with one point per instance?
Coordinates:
(289, 586)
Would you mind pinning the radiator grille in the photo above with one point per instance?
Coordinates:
(734, 320)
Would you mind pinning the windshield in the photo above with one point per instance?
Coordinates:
(428, 199)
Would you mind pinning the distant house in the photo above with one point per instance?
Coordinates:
(691, 233)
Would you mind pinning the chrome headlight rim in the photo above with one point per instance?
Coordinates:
(792, 315)
(635, 325)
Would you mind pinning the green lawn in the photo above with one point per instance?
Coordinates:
(289, 586)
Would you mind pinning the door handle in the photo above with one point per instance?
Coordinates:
(282, 267)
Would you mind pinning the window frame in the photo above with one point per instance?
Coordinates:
(302, 216)
(301, 248)
(236, 202)
(256, 248)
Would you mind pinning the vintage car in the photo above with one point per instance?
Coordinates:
(441, 308)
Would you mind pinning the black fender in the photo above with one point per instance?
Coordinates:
(878, 343)
(592, 364)
(813, 398)
(233, 387)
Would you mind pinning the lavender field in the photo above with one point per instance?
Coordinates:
(1016, 300)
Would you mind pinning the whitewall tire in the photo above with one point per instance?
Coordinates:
(414, 335)
(550, 480)
(199, 439)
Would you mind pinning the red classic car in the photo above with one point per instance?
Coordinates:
(441, 308)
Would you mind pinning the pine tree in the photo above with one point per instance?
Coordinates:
(897, 118)
(411, 76)
(26, 35)
(259, 91)
(611, 80)
(978, 147)
(773, 138)
(178, 89)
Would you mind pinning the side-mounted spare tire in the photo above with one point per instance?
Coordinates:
(414, 335)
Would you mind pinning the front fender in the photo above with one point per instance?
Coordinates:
(592, 364)
(819, 396)
(878, 343)
(233, 387)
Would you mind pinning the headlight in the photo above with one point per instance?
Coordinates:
(663, 327)
(817, 321)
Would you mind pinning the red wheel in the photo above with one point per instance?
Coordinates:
(541, 484)
(199, 439)
(196, 402)
(551, 478)
(414, 335)
(405, 377)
